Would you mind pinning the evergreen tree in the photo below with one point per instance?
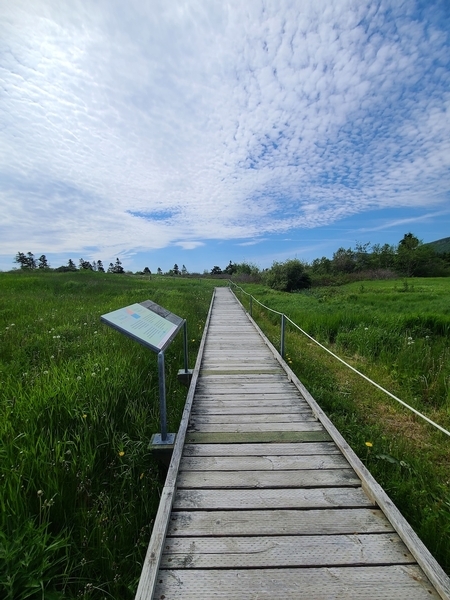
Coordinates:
(43, 262)
(159, 271)
(100, 267)
(117, 268)
(230, 269)
(176, 270)
(85, 265)
(71, 265)
(183, 270)
(147, 271)
(26, 262)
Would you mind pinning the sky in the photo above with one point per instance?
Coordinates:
(198, 132)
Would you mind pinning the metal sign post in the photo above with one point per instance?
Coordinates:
(154, 327)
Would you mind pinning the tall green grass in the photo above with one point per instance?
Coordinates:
(79, 403)
(397, 333)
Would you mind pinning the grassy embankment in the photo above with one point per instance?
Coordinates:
(397, 333)
(79, 403)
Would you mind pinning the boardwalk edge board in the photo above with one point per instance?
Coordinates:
(424, 558)
(147, 581)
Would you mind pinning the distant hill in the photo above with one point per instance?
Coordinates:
(440, 246)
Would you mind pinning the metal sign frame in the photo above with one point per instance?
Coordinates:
(154, 327)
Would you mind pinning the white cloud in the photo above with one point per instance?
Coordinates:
(234, 120)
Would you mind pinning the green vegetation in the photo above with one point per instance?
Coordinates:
(396, 332)
(79, 403)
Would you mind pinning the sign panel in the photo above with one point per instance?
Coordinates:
(145, 325)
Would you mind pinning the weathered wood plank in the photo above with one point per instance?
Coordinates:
(286, 449)
(198, 420)
(402, 582)
(236, 370)
(214, 408)
(250, 400)
(256, 427)
(264, 462)
(266, 498)
(256, 437)
(311, 478)
(278, 522)
(245, 409)
(284, 551)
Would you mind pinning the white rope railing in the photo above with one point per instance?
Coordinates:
(285, 317)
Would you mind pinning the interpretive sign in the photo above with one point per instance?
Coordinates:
(147, 323)
(155, 327)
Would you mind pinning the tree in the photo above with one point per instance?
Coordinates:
(100, 267)
(116, 268)
(216, 270)
(184, 270)
(289, 276)
(362, 256)
(321, 266)
(85, 265)
(159, 271)
(175, 270)
(26, 261)
(343, 261)
(43, 262)
(382, 257)
(147, 271)
(230, 269)
(416, 259)
(71, 265)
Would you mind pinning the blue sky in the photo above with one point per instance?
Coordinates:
(198, 132)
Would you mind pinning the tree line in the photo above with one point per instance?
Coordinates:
(28, 261)
(410, 258)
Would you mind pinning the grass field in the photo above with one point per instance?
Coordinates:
(397, 333)
(79, 403)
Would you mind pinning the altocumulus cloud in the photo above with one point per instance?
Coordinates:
(138, 125)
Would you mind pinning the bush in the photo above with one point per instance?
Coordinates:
(289, 276)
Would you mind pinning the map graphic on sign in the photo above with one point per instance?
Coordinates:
(144, 325)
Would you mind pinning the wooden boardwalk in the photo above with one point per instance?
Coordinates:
(264, 499)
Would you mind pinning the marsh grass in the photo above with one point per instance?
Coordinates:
(396, 333)
(79, 403)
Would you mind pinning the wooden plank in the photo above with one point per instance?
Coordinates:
(296, 449)
(276, 522)
(266, 498)
(198, 420)
(206, 386)
(235, 370)
(244, 408)
(284, 551)
(243, 402)
(256, 437)
(402, 582)
(256, 427)
(264, 462)
(311, 478)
